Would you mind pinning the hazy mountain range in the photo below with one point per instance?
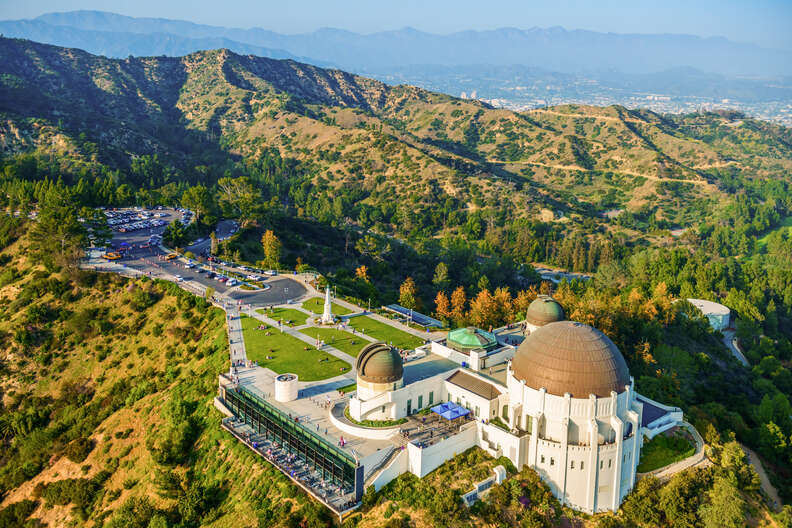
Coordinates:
(508, 67)
(554, 49)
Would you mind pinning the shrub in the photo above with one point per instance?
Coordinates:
(15, 514)
(80, 492)
(79, 449)
(134, 513)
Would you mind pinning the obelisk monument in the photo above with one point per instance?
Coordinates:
(327, 316)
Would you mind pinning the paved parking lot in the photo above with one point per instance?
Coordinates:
(150, 261)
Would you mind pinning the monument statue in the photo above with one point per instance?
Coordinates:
(327, 316)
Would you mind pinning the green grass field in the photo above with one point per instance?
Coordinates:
(786, 225)
(316, 305)
(289, 354)
(343, 341)
(385, 332)
(286, 314)
(663, 450)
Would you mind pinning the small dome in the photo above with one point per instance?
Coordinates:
(543, 310)
(571, 357)
(379, 363)
(471, 338)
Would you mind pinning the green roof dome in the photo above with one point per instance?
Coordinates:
(543, 310)
(379, 363)
(471, 338)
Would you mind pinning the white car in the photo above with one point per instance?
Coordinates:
(271, 273)
(179, 278)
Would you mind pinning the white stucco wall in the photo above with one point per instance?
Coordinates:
(568, 432)
(374, 433)
(397, 466)
(371, 462)
(499, 356)
(424, 460)
(449, 353)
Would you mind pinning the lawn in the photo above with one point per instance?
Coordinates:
(385, 332)
(785, 225)
(316, 305)
(663, 450)
(343, 341)
(297, 317)
(288, 353)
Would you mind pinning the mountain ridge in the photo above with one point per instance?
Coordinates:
(351, 132)
(595, 51)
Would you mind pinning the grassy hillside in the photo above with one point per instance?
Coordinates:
(380, 141)
(107, 420)
(107, 416)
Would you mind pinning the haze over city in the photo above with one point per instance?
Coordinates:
(763, 22)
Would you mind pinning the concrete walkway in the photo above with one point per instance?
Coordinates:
(767, 486)
(730, 341)
(236, 340)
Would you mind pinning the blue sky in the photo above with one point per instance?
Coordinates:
(765, 22)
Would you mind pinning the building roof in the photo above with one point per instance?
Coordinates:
(543, 310)
(569, 357)
(709, 307)
(471, 337)
(379, 363)
(473, 384)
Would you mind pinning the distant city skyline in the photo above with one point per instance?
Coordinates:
(763, 22)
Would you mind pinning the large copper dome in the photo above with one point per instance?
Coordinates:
(571, 357)
(379, 363)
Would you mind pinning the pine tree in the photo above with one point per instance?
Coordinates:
(483, 310)
(458, 302)
(362, 273)
(441, 280)
(408, 294)
(442, 307)
(272, 249)
(726, 507)
(503, 305)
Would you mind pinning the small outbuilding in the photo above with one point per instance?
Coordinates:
(719, 316)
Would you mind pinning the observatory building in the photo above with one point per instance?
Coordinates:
(561, 402)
